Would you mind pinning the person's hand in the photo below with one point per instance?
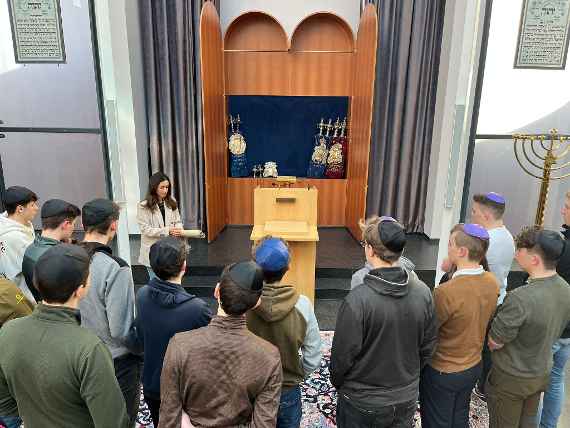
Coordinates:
(446, 265)
(175, 231)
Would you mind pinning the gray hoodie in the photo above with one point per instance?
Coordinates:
(14, 239)
(108, 310)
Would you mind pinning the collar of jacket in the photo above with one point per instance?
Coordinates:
(63, 314)
(47, 241)
(97, 247)
(229, 322)
(179, 294)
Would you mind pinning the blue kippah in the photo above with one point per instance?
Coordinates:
(495, 197)
(476, 231)
(272, 255)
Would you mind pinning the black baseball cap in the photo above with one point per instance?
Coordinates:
(18, 195)
(56, 207)
(248, 275)
(62, 263)
(97, 211)
(165, 252)
(392, 234)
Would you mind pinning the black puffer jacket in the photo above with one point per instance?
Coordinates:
(386, 331)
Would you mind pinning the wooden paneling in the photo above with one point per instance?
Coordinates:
(213, 108)
(361, 114)
(255, 31)
(294, 73)
(331, 199)
(257, 73)
(282, 73)
(322, 32)
(321, 74)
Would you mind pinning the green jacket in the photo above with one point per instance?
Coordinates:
(287, 320)
(31, 256)
(56, 374)
(13, 303)
(529, 321)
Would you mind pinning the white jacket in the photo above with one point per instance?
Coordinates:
(14, 239)
(153, 227)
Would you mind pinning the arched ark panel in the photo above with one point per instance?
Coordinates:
(255, 31)
(213, 108)
(323, 31)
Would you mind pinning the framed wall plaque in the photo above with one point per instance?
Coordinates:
(37, 32)
(543, 34)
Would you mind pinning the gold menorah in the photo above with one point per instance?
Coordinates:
(541, 154)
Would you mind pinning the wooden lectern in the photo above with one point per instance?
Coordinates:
(291, 214)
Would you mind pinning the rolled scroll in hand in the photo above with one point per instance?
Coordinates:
(193, 233)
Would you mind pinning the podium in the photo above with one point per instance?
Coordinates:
(291, 214)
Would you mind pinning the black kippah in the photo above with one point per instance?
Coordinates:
(392, 235)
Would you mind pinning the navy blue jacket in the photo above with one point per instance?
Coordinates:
(164, 309)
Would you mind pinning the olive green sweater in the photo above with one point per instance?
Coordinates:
(56, 374)
(530, 320)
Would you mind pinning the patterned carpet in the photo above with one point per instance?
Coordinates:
(319, 399)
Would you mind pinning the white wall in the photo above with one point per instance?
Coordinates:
(459, 62)
(118, 97)
(290, 13)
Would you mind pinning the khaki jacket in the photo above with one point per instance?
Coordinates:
(13, 303)
(153, 227)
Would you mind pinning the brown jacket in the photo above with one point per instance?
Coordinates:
(464, 307)
(222, 376)
(13, 303)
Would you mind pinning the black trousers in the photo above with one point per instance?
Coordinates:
(350, 415)
(445, 397)
(154, 407)
(128, 372)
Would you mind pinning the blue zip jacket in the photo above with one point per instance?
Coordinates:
(164, 309)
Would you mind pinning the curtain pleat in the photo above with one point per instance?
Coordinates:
(407, 65)
(173, 94)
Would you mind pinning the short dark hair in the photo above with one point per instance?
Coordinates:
(166, 272)
(477, 247)
(498, 210)
(50, 287)
(11, 207)
(546, 244)
(271, 277)
(71, 213)
(103, 227)
(234, 299)
(371, 236)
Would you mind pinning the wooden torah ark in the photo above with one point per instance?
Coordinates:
(255, 57)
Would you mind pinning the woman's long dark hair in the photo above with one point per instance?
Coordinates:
(151, 196)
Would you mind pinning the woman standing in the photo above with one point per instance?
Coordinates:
(157, 216)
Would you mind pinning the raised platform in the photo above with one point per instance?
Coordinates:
(339, 255)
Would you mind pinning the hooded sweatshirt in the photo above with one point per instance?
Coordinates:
(164, 309)
(386, 332)
(287, 320)
(108, 310)
(14, 239)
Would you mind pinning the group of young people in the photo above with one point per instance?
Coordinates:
(75, 343)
